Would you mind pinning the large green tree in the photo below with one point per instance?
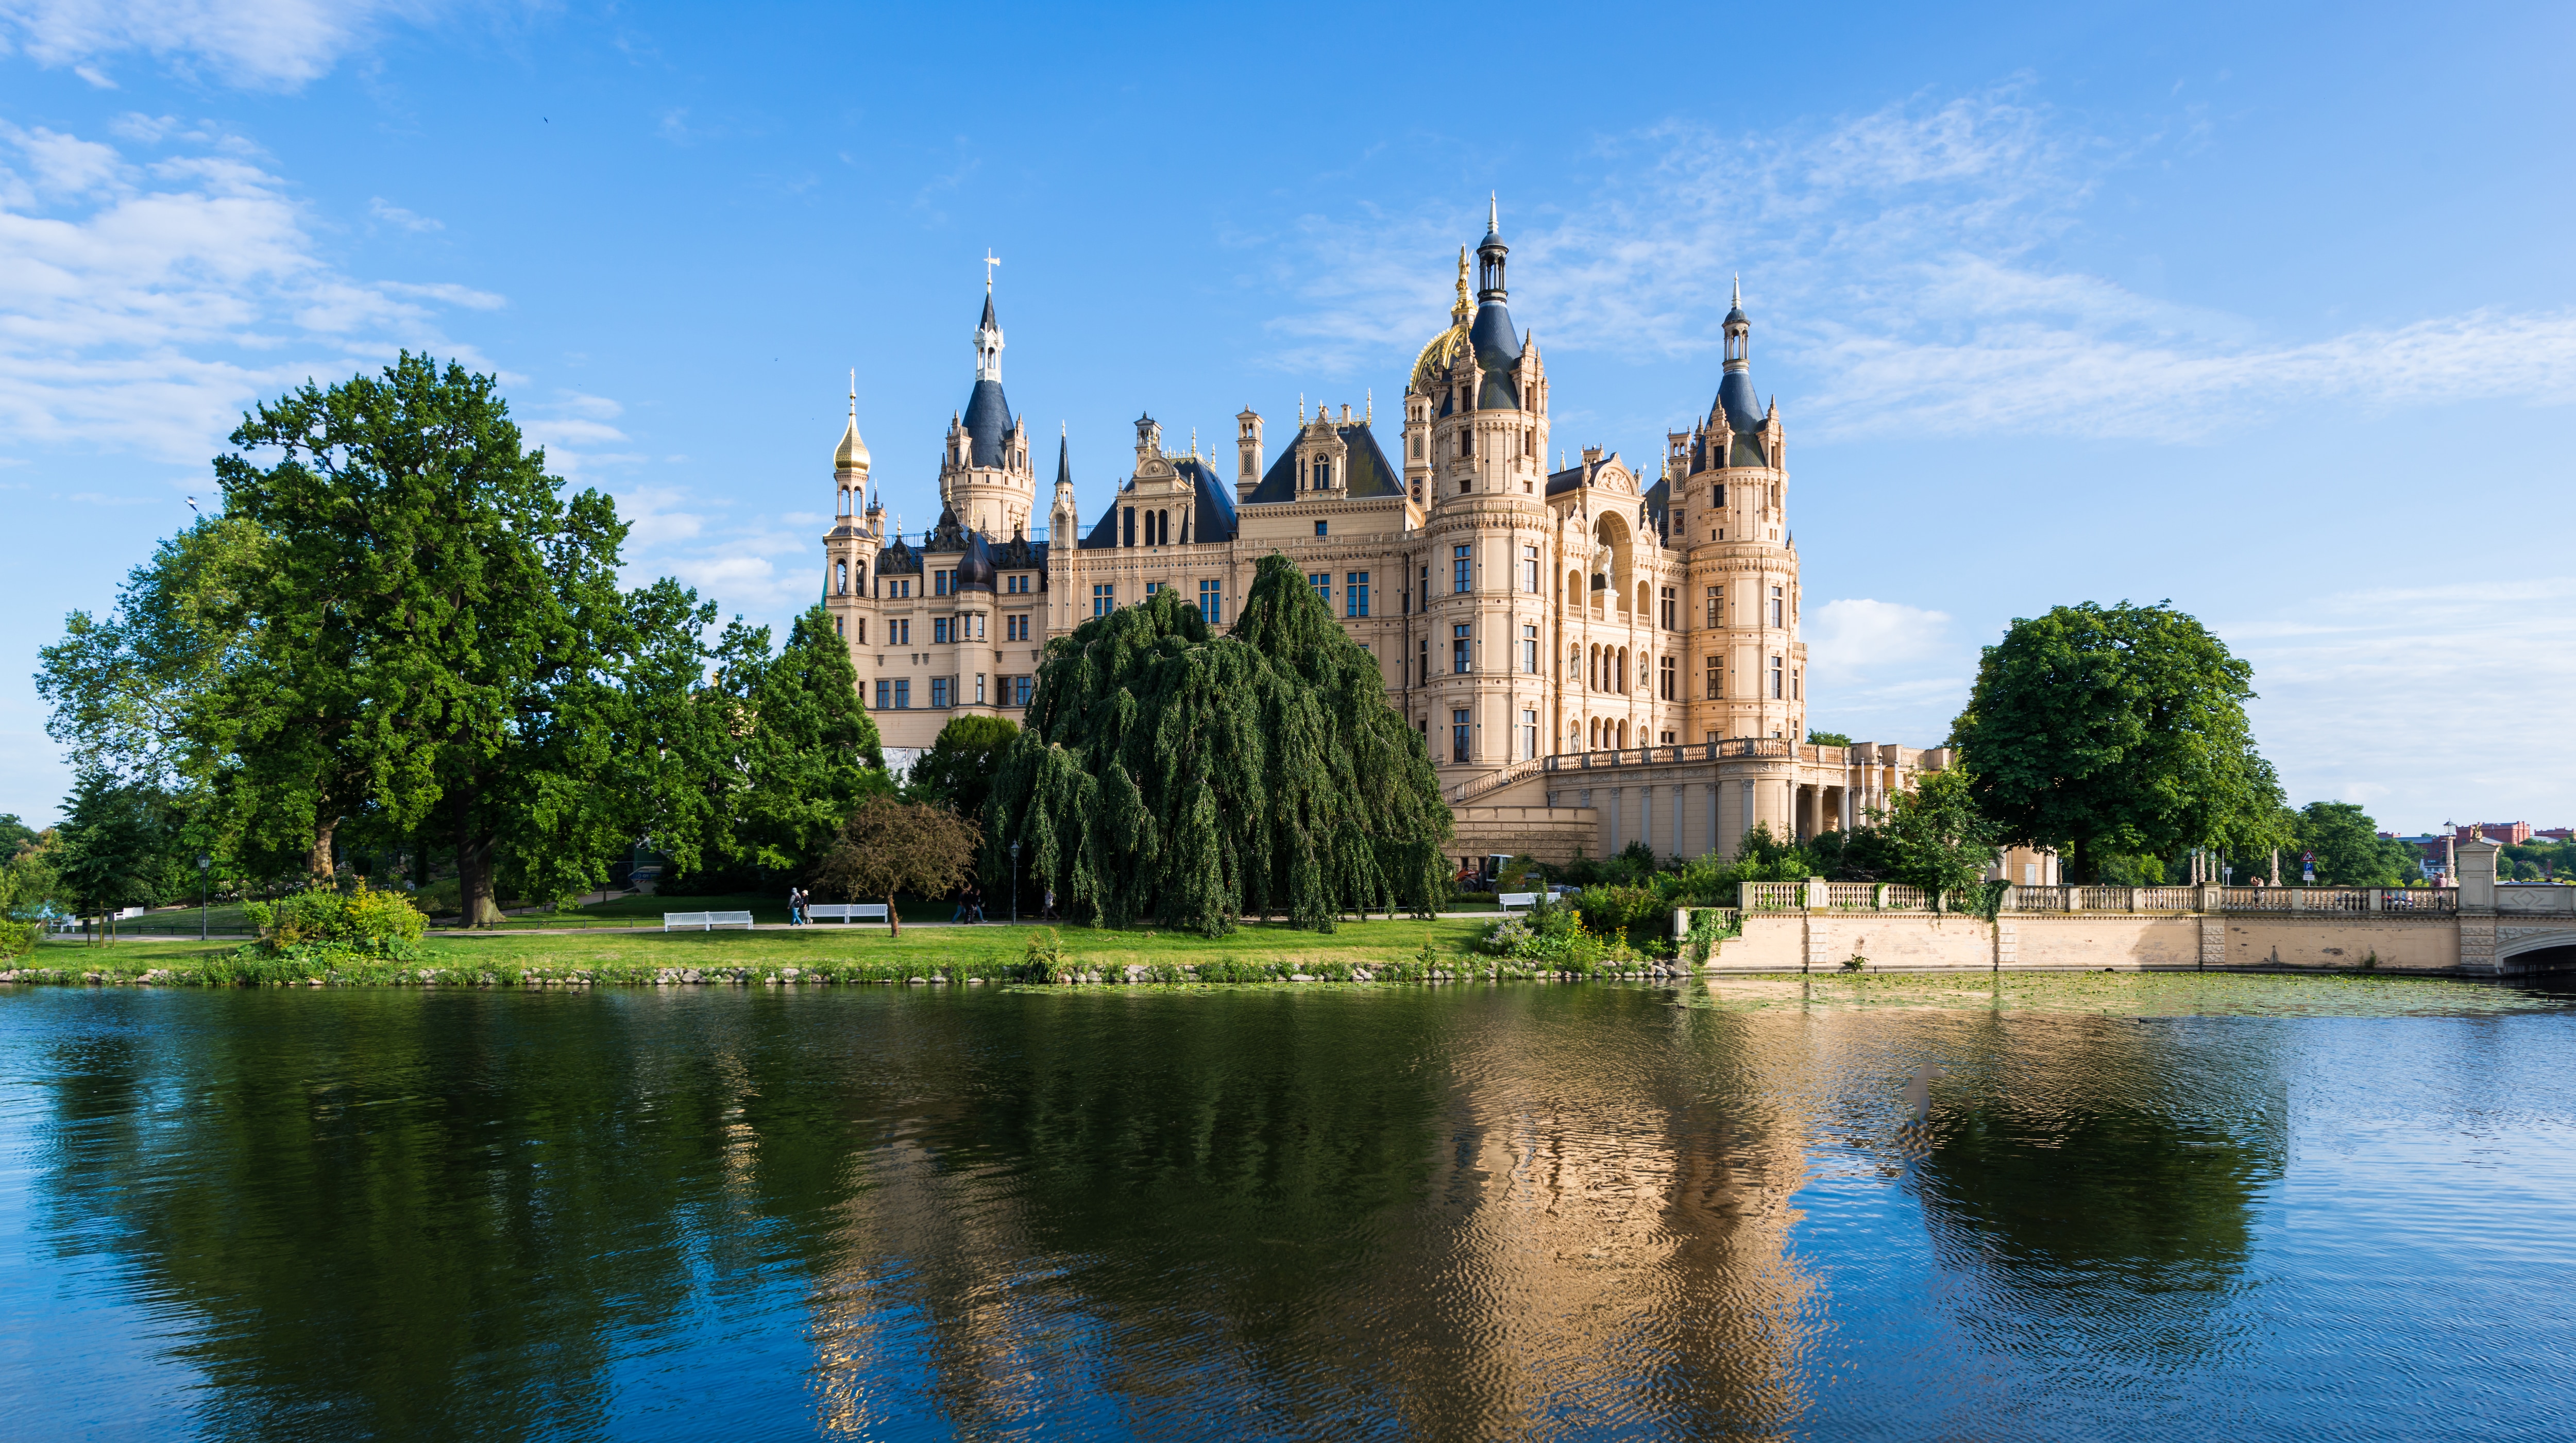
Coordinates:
(2349, 850)
(1165, 771)
(440, 622)
(115, 847)
(958, 770)
(2116, 729)
(791, 752)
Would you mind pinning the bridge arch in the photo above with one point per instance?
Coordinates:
(2536, 949)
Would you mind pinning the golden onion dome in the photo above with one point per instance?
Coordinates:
(1443, 350)
(852, 454)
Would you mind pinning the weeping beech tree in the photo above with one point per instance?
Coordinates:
(1167, 772)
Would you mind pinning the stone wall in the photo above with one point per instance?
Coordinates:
(1551, 834)
(2087, 941)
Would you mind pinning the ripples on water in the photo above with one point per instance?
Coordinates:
(1466, 1212)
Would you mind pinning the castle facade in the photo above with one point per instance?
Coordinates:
(1591, 658)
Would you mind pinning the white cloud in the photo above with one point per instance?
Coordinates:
(1884, 671)
(2428, 702)
(145, 303)
(395, 215)
(1899, 255)
(256, 44)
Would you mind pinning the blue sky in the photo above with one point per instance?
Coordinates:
(2267, 310)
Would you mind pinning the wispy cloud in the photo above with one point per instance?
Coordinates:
(2424, 702)
(1900, 255)
(145, 300)
(254, 44)
(1885, 671)
(394, 215)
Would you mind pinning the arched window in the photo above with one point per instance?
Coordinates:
(841, 578)
(1323, 474)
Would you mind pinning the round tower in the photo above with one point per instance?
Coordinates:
(985, 475)
(1731, 503)
(850, 547)
(1487, 550)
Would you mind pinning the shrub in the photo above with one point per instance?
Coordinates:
(17, 939)
(1044, 959)
(362, 921)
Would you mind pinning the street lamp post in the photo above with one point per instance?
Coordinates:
(203, 899)
(1015, 884)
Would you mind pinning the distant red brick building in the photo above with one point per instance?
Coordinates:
(2512, 834)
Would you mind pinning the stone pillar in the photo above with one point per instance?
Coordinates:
(2475, 871)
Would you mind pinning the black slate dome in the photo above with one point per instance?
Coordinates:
(975, 571)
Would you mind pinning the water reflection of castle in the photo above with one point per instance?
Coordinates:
(1584, 1208)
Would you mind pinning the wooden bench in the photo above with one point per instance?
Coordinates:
(1509, 900)
(705, 921)
(846, 911)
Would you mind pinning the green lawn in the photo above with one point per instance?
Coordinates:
(624, 956)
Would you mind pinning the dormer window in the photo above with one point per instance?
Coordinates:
(1323, 475)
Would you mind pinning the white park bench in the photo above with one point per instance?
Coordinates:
(1509, 900)
(846, 911)
(705, 921)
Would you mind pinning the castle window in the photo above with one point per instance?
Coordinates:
(1793, 684)
(838, 629)
(1466, 443)
(1529, 569)
(1321, 528)
(903, 693)
(841, 577)
(1458, 735)
(1716, 599)
(1129, 524)
(1776, 618)
(979, 688)
(941, 630)
(1355, 594)
(942, 692)
(1104, 599)
(1458, 635)
(1322, 581)
(885, 694)
(1021, 686)
(1529, 735)
(1668, 679)
(1717, 497)
(1671, 606)
(1775, 678)
(1712, 679)
(1529, 652)
(1151, 587)
(1323, 475)
(862, 637)
(1211, 598)
(1458, 573)
(1417, 448)
(899, 631)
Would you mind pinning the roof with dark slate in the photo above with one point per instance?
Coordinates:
(1371, 475)
(1211, 508)
(1743, 408)
(988, 421)
(1498, 349)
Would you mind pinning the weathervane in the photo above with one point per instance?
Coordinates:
(990, 261)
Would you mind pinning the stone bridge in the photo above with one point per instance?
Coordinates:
(2481, 929)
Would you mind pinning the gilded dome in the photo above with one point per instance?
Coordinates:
(1443, 350)
(852, 454)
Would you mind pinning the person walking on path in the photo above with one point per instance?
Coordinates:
(795, 906)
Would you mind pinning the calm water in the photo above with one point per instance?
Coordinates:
(1456, 1213)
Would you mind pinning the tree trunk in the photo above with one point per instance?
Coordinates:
(894, 919)
(473, 868)
(318, 862)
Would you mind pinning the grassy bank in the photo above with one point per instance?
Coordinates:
(1266, 952)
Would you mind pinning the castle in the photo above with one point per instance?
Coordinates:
(1574, 645)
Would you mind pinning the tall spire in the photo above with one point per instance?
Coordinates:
(852, 454)
(1493, 213)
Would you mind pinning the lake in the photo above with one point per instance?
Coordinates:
(2044, 1208)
